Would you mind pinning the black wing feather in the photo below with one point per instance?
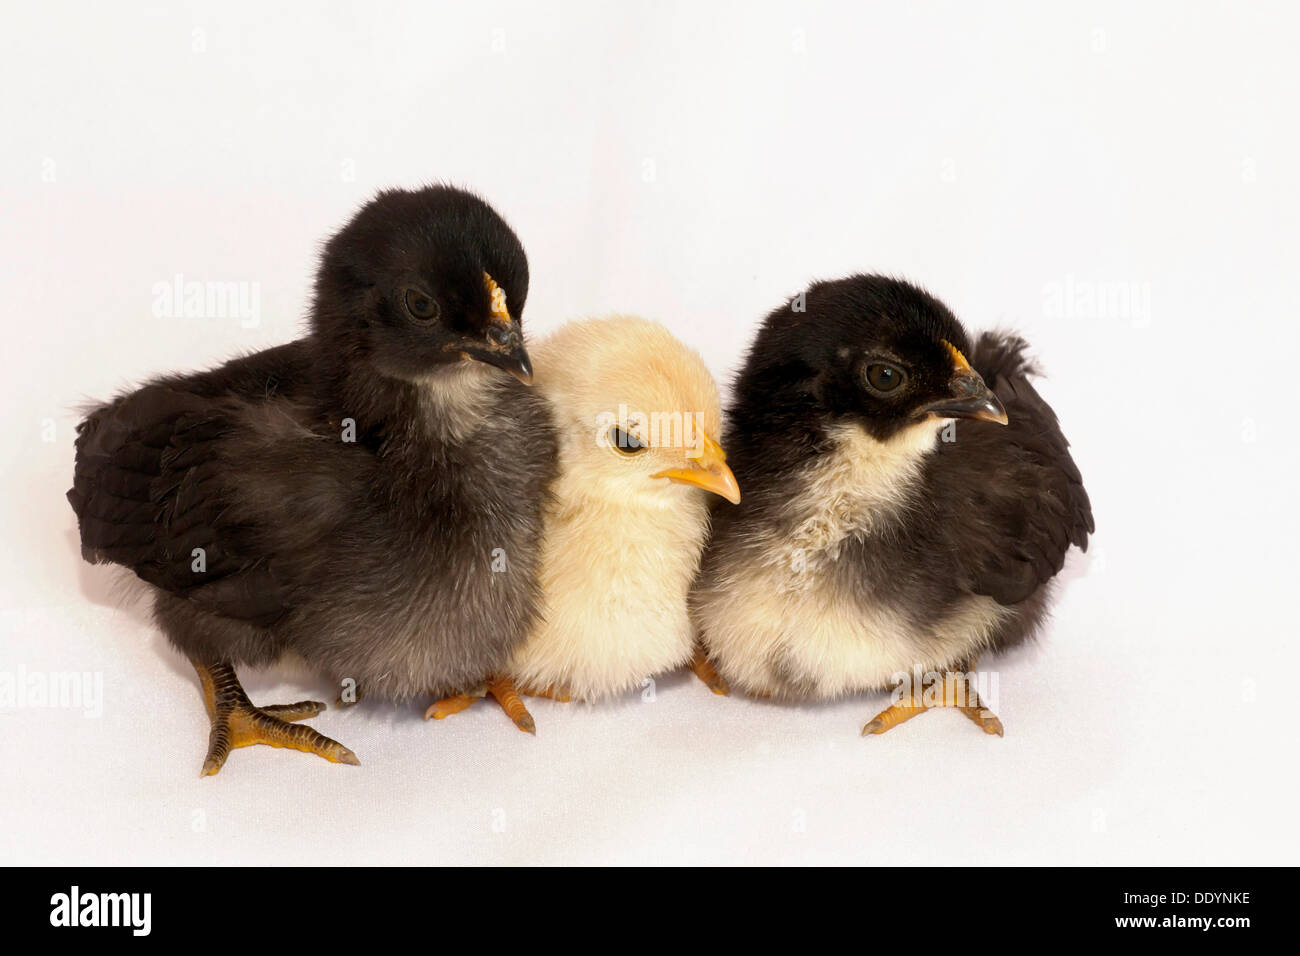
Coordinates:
(150, 487)
(1013, 495)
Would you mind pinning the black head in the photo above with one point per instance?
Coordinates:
(870, 349)
(419, 281)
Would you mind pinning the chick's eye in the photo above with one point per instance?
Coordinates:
(420, 305)
(884, 378)
(625, 443)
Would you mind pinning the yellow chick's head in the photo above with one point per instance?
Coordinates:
(637, 410)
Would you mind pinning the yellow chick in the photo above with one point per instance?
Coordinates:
(636, 412)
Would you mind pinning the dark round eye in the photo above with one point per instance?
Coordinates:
(884, 378)
(420, 305)
(625, 443)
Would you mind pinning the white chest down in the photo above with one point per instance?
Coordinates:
(780, 624)
(788, 635)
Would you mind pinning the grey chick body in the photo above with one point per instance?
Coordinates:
(405, 558)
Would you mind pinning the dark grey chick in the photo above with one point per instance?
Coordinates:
(368, 497)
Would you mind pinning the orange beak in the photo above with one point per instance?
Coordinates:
(707, 470)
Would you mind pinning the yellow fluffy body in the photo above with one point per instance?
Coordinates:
(620, 548)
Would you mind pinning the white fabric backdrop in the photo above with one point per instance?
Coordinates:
(694, 163)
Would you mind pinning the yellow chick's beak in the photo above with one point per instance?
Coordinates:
(708, 471)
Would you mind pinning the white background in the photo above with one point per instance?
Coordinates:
(694, 163)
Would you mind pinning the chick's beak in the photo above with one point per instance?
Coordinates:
(505, 350)
(707, 470)
(505, 339)
(969, 396)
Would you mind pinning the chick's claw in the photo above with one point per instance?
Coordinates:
(892, 716)
(237, 723)
(447, 706)
(503, 689)
(703, 668)
(303, 710)
(956, 691)
(987, 720)
(550, 692)
(349, 698)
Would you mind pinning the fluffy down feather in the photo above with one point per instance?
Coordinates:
(373, 557)
(855, 556)
(620, 547)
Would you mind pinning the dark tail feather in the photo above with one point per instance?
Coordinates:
(1002, 356)
(120, 457)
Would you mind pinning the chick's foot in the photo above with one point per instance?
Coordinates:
(349, 699)
(445, 707)
(956, 691)
(237, 723)
(503, 689)
(550, 692)
(703, 668)
(505, 694)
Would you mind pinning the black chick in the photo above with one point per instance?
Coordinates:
(878, 543)
(368, 496)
